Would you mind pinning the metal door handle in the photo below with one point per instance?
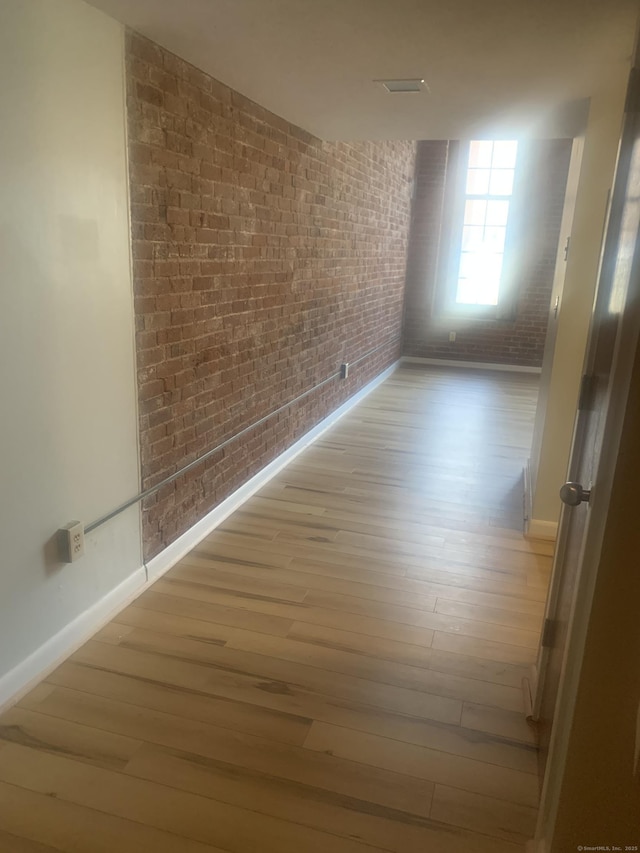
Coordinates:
(573, 494)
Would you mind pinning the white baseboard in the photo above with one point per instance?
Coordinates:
(528, 492)
(532, 679)
(51, 654)
(157, 566)
(474, 365)
(535, 528)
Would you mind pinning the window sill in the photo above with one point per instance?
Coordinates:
(475, 313)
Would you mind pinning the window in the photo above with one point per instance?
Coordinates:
(475, 276)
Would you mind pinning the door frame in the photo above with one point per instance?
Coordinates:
(625, 353)
(551, 607)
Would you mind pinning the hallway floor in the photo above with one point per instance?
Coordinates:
(336, 668)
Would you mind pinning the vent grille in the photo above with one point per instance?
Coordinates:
(396, 87)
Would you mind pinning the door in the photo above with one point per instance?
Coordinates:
(599, 379)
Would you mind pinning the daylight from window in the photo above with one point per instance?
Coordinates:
(489, 185)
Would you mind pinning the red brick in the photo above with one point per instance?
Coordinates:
(277, 249)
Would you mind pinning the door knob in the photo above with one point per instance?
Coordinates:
(573, 494)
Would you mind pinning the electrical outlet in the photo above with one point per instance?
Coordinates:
(452, 337)
(344, 370)
(71, 541)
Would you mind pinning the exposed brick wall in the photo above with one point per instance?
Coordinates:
(263, 258)
(518, 340)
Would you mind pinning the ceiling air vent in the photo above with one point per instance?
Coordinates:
(396, 87)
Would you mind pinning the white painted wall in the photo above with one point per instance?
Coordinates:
(561, 379)
(566, 226)
(68, 433)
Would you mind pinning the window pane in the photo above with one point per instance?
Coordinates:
(491, 266)
(501, 182)
(467, 265)
(497, 212)
(479, 278)
(471, 292)
(488, 295)
(472, 238)
(494, 239)
(480, 154)
(480, 266)
(466, 293)
(475, 212)
(504, 155)
(478, 181)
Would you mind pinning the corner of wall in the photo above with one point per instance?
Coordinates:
(536, 528)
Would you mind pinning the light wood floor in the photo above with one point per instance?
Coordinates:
(337, 669)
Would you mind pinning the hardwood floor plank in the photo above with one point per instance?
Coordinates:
(435, 571)
(464, 665)
(333, 522)
(71, 828)
(499, 818)
(201, 593)
(372, 669)
(281, 552)
(161, 807)
(112, 633)
(180, 626)
(242, 755)
(499, 722)
(241, 551)
(394, 590)
(494, 615)
(383, 589)
(13, 844)
(60, 737)
(375, 825)
(33, 698)
(428, 764)
(209, 611)
(270, 672)
(235, 583)
(295, 507)
(435, 621)
(457, 576)
(183, 701)
(502, 652)
(251, 690)
(461, 561)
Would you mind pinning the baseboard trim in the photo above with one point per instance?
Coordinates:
(527, 700)
(528, 492)
(160, 564)
(532, 681)
(535, 528)
(24, 677)
(474, 365)
(29, 672)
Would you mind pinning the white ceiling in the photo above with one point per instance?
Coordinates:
(494, 67)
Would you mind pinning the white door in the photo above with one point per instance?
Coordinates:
(619, 249)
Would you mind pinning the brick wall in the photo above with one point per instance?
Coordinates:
(263, 258)
(520, 339)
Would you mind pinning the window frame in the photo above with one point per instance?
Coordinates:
(450, 248)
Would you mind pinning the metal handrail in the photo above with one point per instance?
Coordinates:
(153, 489)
